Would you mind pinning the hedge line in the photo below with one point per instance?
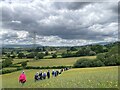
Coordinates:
(32, 67)
(10, 71)
(53, 67)
(21, 62)
(15, 65)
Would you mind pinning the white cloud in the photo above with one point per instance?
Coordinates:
(63, 24)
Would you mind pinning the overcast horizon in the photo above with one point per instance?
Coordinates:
(58, 23)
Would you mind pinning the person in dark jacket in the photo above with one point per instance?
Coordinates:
(61, 71)
(48, 74)
(36, 77)
(57, 72)
(40, 75)
(53, 73)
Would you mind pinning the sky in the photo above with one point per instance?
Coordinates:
(58, 23)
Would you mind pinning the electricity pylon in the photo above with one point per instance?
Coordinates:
(34, 44)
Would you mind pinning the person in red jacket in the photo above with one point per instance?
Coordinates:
(22, 78)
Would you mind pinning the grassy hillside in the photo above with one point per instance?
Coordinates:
(57, 61)
(102, 77)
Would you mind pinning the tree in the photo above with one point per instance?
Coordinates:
(40, 56)
(38, 49)
(43, 49)
(7, 62)
(84, 62)
(97, 48)
(30, 55)
(12, 56)
(3, 52)
(110, 58)
(101, 57)
(12, 52)
(46, 53)
(54, 55)
(80, 53)
(68, 54)
(24, 64)
(73, 49)
(21, 55)
(8, 55)
(92, 53)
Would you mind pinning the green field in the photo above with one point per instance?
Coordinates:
(9, 68)
(57, 61)
(101, 77)
(20, 60)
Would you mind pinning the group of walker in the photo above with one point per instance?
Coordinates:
(41, 75)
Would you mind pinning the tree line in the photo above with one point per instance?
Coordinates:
(110, 58)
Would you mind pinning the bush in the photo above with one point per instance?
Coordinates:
(80, 53)
(101, 57)
(84, 62)
(92, 53)
(40, 56)
(31, 55)
(10, 71)
(73, 49)
(54, 55)
(12, 56)
(24, 64)
(97, 63)
(7, 62)
(21, 62)
(110, 58)
(8, 55)
(69, 54)
(46, 53)
(21, 55)
(97, 48)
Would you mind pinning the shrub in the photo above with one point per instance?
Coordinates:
(40, 56)
(7, 62)
(73, 49)
(8, 55)
(21, 55)
(97, 63)
(69, 54)
(24, 64)
(10, 71)
(12, 56)
(46, 53)
(54, 55)
(84, 62)
(92, 53)
(31, 55)
(110, 58)
(80, 53)
(97, 48)
(101, 57)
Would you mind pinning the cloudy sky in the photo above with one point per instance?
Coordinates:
(58, 23)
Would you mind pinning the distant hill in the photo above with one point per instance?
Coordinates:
(38, 45)
(20, 46)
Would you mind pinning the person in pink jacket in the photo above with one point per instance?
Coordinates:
(22, 78)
